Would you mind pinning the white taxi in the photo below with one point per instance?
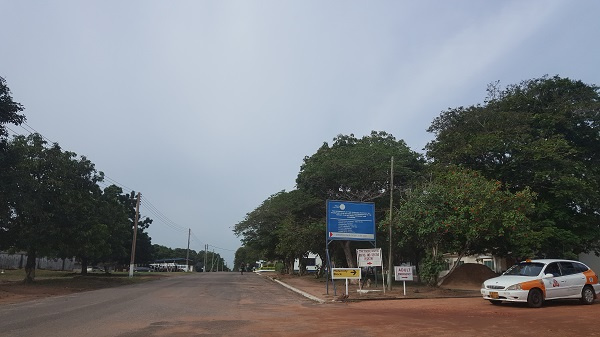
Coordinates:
(535, 281)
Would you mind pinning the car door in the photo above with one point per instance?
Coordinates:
(555, 285)
(574, 278)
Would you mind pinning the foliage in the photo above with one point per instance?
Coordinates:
(359, 170)
(9, 109)
(54, 207)
(49, 194)
(430, 267)
(459, 211)
(542, 134)
(286, 226)
(246, 255)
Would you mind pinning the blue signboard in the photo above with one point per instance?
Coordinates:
(347, 220)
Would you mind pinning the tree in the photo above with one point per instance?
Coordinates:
(359, 170)
(9, 109)
(9, 114)
(302, 227)
(246, 255)
(49, 195)
(542, 134)
(286, 226)
(462, 212)
(112, 215)
(258, 229)
(82, 232)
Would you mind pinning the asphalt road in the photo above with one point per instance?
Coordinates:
(198, 304)
(230, 304)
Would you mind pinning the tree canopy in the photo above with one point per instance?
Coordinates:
(286, 226)
(542, 134)
(460, 211)
(359, 170)
(9, 109)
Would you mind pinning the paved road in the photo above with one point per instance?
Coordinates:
(229, 304)
(219, 304)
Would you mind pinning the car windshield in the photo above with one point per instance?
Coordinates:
(525, 269)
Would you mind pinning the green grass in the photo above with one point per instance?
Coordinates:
(52, 277)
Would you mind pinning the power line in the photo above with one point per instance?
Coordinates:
(229, 250)
(170, 223)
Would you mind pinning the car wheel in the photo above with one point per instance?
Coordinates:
(495, 302)
(535, 299)
(587, 295)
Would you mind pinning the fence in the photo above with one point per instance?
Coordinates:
(18, 260)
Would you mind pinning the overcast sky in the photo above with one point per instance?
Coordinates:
(208, 107)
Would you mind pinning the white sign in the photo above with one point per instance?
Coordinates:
(403, 273)
(369, 257)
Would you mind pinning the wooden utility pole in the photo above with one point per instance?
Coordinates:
(135, 225)
(205, 253)
(390, 256)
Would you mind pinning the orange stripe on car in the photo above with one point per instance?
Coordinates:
(534, 284)
(590, 277)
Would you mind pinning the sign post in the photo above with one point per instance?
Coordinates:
(371, 259)
(348, 221)
(345, 273)
(403, 273)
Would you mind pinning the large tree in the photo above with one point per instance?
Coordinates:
(459, 211)
(50, 195)
(543, 134)
(286, 226)
(358, 169)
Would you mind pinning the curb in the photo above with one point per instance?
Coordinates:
(303, 293)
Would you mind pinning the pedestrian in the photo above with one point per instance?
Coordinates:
(242, 267)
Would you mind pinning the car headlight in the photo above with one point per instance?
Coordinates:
(514, 287)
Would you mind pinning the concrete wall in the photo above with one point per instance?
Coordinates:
(18, 260)
(591, 260)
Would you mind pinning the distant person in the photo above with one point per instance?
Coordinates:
(242, 267)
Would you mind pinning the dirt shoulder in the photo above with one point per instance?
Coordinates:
(318, 288)
(12, 291)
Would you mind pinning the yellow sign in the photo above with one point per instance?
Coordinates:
(345, 273)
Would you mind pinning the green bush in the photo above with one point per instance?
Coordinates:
(431, 266)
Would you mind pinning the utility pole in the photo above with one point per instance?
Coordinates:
(212, 261)
(187, 255)
(135, 225)
(390, 257)
(205, 252)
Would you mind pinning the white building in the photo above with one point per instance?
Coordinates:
(312, 263)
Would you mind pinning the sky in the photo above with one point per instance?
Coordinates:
(209, 107)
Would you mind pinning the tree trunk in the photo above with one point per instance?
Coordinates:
(84, 265)
(30, 267)
(441, 280)
(350, 260)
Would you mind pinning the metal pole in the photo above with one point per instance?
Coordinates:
(135, 225)
(390, 261)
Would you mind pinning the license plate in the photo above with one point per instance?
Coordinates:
(493, 294)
